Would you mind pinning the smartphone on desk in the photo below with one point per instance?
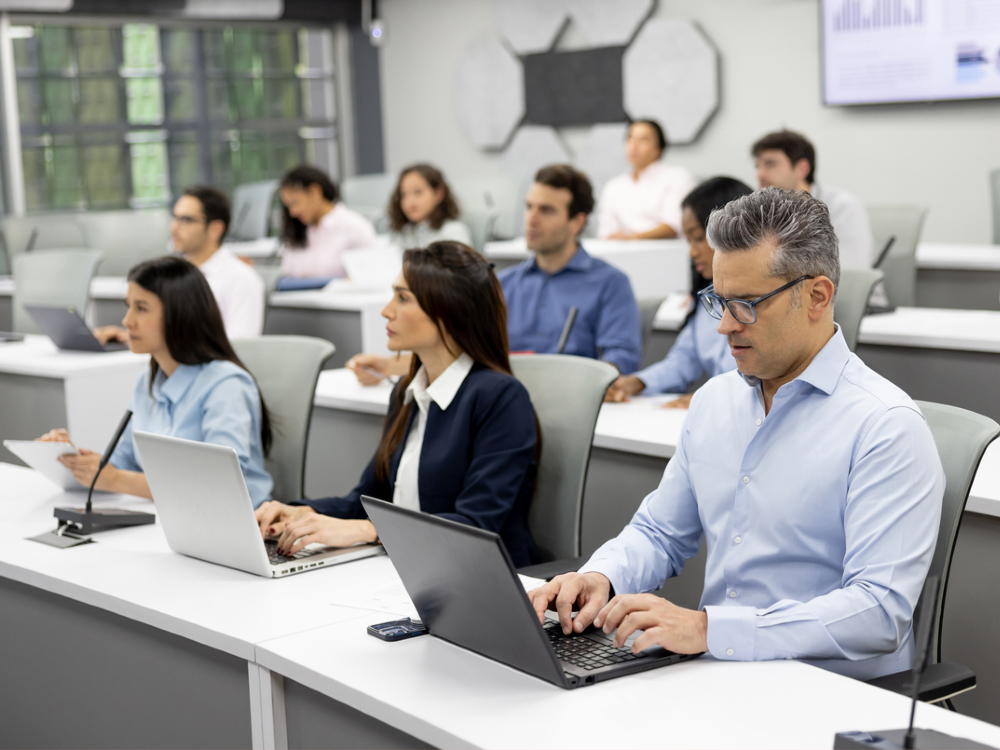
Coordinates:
(397, 630)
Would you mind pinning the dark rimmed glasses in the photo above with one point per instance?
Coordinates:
(742, 309)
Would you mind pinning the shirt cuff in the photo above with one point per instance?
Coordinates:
(732, 632)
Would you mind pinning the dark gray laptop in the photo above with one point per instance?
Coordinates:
(466, 591)
(68, 330)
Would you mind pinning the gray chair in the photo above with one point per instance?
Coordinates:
(251, 214)
(368, 194)
(567, 393)
(497, 194)
(962, 438)
(127, 237)
(480, 223)
(995, 204)
(51, 277)
(271, 273)
(905, 224)
(647, 315)
(286, 369)
(856, 286)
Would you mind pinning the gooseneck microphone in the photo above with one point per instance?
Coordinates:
(86, 520)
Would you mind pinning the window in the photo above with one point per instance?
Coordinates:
(130, 115)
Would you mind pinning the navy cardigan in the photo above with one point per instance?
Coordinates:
(477, 463)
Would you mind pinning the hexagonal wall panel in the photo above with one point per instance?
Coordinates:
(533, 147)
(530, 25)
(608, 23)
(489, 93)
(602, 155)
(670, 73)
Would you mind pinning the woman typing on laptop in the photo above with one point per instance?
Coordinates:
(195, 388)
(460, 440)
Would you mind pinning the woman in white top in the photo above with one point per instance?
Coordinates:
(422, 210)
(645, 203)
(317, 227)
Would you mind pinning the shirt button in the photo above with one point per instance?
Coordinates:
(729, 652)
(758, 423)
(732, 594)
(746, 480)
(738, 539)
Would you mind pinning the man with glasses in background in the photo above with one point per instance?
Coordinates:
(814, 481)
(200, 220)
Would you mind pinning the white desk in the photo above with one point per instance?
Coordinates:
(42, 388)
(955, 275)
(656, 268)
(352, 320)
(449, 697)
(124, 643)
(265, 247)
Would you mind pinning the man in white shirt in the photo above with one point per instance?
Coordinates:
(787, 160)
(645, 203)
(200, 221)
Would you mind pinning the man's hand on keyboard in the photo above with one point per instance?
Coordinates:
(683, 631)
(586, 593)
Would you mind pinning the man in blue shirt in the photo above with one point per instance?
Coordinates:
(561, 275)
(814, 481)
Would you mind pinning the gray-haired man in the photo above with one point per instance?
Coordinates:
(814, 481)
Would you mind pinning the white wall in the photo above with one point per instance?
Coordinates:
(936, 155)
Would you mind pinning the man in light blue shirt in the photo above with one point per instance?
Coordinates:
(814, 481)
(561, 275)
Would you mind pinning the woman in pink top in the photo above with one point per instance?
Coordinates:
(317, 227)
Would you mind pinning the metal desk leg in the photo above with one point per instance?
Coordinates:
(267, 708)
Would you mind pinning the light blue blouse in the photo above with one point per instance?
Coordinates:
(700, 350)
(217, 402)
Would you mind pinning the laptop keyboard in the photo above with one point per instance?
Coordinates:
(276, 558)
(581, 651)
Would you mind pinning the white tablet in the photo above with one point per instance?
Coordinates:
(42, 457)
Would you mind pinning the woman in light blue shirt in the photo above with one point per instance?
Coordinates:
(195, 388)
(700, 351)
(423, 210)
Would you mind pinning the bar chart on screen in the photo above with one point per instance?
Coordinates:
(858, 15)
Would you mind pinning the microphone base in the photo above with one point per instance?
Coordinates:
(102, 519)
(892, 739)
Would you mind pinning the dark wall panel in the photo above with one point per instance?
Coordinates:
(582, 87)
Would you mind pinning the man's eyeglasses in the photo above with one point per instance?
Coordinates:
(742, 309)
(187, 221)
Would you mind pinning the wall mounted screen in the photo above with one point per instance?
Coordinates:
(878, 51)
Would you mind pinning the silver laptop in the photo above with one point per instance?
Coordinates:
(206, 512)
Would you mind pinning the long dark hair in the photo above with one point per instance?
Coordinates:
(708, 196)
(458, 290)
(293, 231)
(446, 209)
(192, 324)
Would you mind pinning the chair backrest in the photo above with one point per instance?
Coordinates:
(498, 193)
(995, 204)
(567, 393)
(961, 437)
(271, 273)
(43, 232)
(856, 285)
(368, 194)
(647, 315)
(286, 369)
(52, 277)
(480, 222)
(127, 237)
(251, 213)
(905, 224)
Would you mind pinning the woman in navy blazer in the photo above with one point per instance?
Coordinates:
(461, 439)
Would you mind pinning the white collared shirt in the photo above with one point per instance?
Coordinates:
(442, 391)
(639, 205)
(850, 222)
(239, 292)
